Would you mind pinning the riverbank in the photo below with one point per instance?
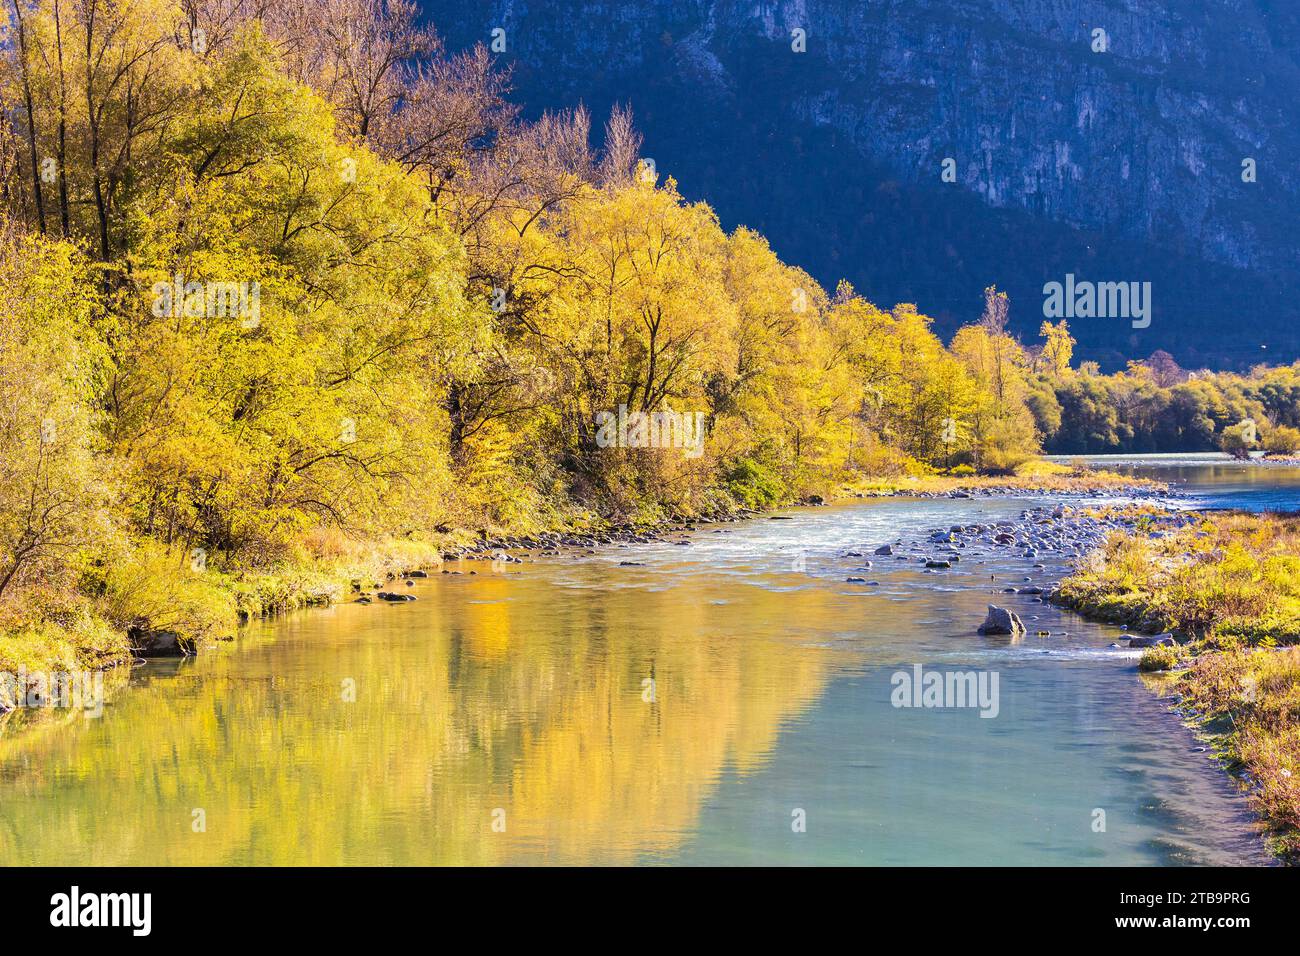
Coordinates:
(138, 598)
(1226, 591)
(1035, 478)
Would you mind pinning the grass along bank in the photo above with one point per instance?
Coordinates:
(98, 616)
(117, 597)
(1228, 587)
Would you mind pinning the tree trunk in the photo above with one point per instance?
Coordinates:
(31, 118)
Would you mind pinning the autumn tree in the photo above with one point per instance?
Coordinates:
(53, 479)
(1058, 346)
(1003, 426)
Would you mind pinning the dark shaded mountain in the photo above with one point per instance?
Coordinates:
(1124, 165)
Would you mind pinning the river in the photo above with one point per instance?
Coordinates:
(725, 702)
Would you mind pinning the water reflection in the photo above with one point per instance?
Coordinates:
(681, 710)
(486, 694)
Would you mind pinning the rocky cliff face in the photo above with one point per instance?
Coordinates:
(1114, 156)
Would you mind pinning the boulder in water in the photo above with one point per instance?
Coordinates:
(1001, 621)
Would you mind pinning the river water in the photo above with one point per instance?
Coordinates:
(725, 702)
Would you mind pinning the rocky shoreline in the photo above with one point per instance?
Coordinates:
(510, 549)
(550, 543)
(1058, 531)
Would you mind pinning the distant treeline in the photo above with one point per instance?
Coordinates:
(1155, 406)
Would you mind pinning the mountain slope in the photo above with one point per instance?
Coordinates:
(1123, 165)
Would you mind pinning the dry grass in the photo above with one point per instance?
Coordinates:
(1229, 581)
(1230, 587)
(42, 631)
(1252, 698)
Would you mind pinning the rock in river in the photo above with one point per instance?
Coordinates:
(1002, 621)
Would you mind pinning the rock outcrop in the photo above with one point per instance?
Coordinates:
(1122, 164)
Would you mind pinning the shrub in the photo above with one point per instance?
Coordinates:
(1160, 658)
(1283, 440)
(1234, 443)
(44, 632)
(151, 587)
(755, 485)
